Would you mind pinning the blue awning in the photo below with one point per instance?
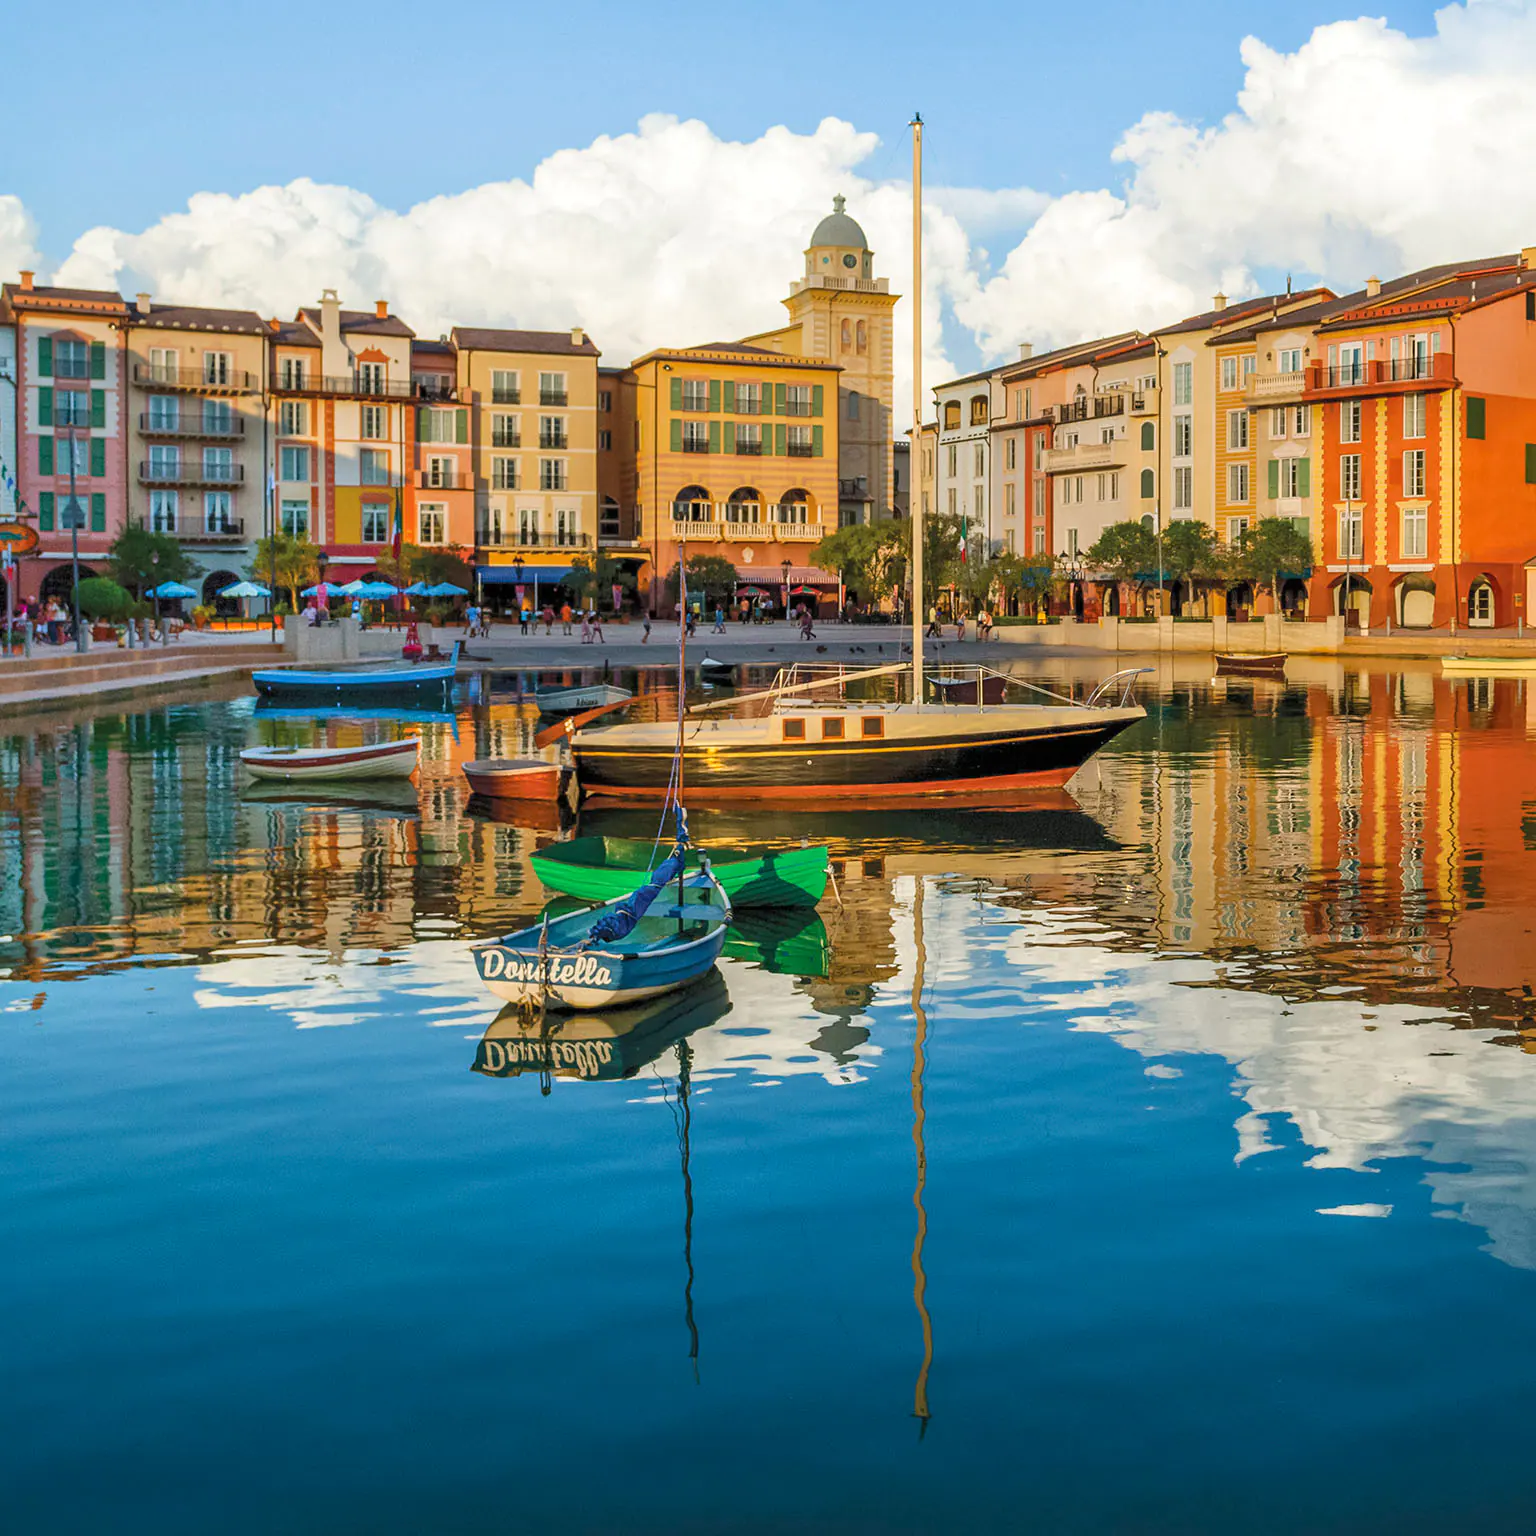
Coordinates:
(509, 576)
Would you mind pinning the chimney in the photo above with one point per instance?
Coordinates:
(381, 309)
(141, 303)
(1219, 302)
(1026, 351)
(275, 323)
(1373, 287)
(578, 336)
(26, 278)
(1528, 258)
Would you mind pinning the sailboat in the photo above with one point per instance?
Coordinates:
(823, 731)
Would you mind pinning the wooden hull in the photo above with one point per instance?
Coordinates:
(568, 701)
(520, 778)
(1488, 666)
(606, 868)
(373, 684)
(387, 760)
(1271, 664)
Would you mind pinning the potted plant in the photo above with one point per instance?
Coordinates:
(202, 615)
(103, 602)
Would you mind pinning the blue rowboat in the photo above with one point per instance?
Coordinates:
(613, 954)
(371, 682)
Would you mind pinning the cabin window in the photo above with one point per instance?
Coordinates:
(832, 730)
(794, 730)
(872, 725)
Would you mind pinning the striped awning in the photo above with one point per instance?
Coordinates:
(773, 575)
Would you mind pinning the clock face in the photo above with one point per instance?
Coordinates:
(850, 261)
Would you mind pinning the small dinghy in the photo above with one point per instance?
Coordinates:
(381, 760)
(1487, 666)
(605, 868)
(717, 671)
(516, 778)
(668, 933)
(1258, 664)
(326, 687)
(567, 701)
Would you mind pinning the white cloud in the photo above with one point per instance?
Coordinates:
(1364, 150)
(18, 237)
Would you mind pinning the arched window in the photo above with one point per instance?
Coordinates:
(692, 505)
(847, 335)
(863, 337)
(228, 607)
(1148, 485)
(979, 410)
(1146, 521)
(794, 506)
(745, 505)
(951, 415)
(1148, 440)
(60, 583)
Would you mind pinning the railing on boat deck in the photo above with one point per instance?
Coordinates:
(801, 683)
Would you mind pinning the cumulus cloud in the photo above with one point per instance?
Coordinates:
(1363, 150)
(18, 237)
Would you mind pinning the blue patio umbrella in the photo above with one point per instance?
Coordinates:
(173, 589)
(375, 591)
(417, 589)
(446, 589)
(246, 589)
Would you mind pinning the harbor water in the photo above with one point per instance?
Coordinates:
(1158, 1154)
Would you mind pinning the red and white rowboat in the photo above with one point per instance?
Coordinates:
(381, 760)
(515, 778)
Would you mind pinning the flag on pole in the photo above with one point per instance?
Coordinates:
(965, 535)
(399, 531)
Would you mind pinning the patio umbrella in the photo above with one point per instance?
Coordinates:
(246, 589)
(417, 589)
(376, 590)
(173, 589)
(446, 589)
(352, 589)
(751, 592)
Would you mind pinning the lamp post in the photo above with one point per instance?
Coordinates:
(786, 567)
(75, 518)
(322, 609)
(12, 571)
(517, 579)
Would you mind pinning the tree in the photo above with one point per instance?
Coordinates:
(134, 564)
(1272, 548)
(1191, 552)
(870, 557)
(595, 576)
(1029, 575)
(449, 563)
(102, 598)
(288, 562)
(709, 576)
(1127, 551)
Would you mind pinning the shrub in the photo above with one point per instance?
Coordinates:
(102, 598)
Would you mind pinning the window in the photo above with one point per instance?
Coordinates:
(505, 387)
(1350, 368)
(218, 368)
(293, 418)
(1294, 479)
(794, 730)
(218, 512)
(1011, 454)
(72, 408)
(749, 437)
(608, 518)
(744, 505)
(793, 508)
(1229, 373)
(164, 413)
(219, 464)
(552, 389)
(1237, 529)
(376, 420)
(749, 399)
(871, 725)
(1351, 533)
(831, 728)
(164, 461)
(1277, 421)
(373, 466)
(952, 458)
(979, 460)
(979, 410)
(1010, 500)
(695, 437)
(164, 508)
(551, 474)
(1477, 410)
(1413, 472)
(1415, 532)
(951, 415)
(1301, 420)
(295, 519)
(1148, 485)
(527, 526)
(1237, 429)
(797, 400)
(504, 474)
(799, 442)
(1066, 490)
(442, 472)
(1040, 540)
(1039, 498)
(1250, 366)
(1290, 360)
(1414, 416)
(978, 499)
(695, 394)
(605, 400)
(1148, 437)
(1349, 421)
(375, 523)
(430, 524)
(1349, 477)
(1071, 541)
(1183, 488)
(853, 405)
(552, 432)
(162, 365)
(370, 378)
(504, 433)
(71, 359)
(604, 440)
(1183, 436)
(1237, 484)
(953, 502)
(219, 417)
(291, 373)
(293, 464)
(565, 526)
(1183, 383)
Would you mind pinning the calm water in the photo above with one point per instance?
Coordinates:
(1159, 1158)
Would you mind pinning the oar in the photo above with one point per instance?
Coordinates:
(573, 723)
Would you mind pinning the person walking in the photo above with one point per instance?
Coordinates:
(719, 628)
(548, 617)
(565, 618)
(586, 628)
(806, 630)
(646, 622)
(597, 629)
(524, 615)
(960, 627)
(691, 625)
(933, 632)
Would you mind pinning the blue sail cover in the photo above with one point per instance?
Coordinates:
(621, 921)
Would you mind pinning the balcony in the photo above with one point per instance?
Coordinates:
(749, 450)
(432, 480)
(1144, 402)
(192, 426)
(853, 490)
(555, 440)
(798, 450)
(847, 284)
(553, 483)
(511, 538)
(796, 408)
(744, 531)
(695, 528)
(1265, 389)
(1089, 408)
(695, 445)
(1380, 376)
(506, 397)
(503, 440)
(798, 533)
(230, 530)
(157, 376)
(1083, 458)
(364, 387)
(191, 474)
(554, 397)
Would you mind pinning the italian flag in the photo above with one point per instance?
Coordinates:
(965, 534)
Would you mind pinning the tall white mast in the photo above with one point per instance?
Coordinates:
(915, 469)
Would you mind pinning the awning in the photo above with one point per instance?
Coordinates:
(510, 576)
(797, 573)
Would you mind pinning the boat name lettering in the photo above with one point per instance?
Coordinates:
(575, 970)
(587, 1057)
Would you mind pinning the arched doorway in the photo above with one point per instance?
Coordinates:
(223, 607)
(1077, 600)
(794, 507)
(1480, 604)
(1293, 597)
(1352, 599)
(59, 583)
(1110, 605)
(692, 505)
(1415, 602)
(1239, 601)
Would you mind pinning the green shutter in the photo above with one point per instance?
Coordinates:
(730, 396)
(677, 393)
(45, 356)
(1274, 479)
(45, 406)
(781, 399)
(423, 433)
(714, 437)
(816, 402)
(714, 395)
(98, 511)
(98, 359)
(1530, 463)
(461, 426)
(765, 399)
(1303, 477)
(1148, 437)
(1477, 417)
(98, 407)
(1148, 485)
(98, 456)
(781, 438)
(816, 439)
(730, 434)
(677, 434)
(45, 511)
(45, 456)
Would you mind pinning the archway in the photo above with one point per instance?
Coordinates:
(1352, 599)
(744, 505)
(1415, 602)
(795, 506)
(1239, 601)
(224, 607)
(1110, 603)
(692, 505)
(1293, 596)
(1480, 604)
(59, 583)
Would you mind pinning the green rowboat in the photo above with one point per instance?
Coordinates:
(605, 868)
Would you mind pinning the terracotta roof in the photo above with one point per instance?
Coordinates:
(757, 356)
(363, 322)
(191, 317)
(481, 338)
(1078, 352)
(420, 348)
(1433, 290)
(733, 346)
(289, 333)
(48, 298)
(1234, 312)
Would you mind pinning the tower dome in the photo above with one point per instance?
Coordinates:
(838, 229)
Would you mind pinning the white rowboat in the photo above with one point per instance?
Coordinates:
(381, 760)
(566, 701)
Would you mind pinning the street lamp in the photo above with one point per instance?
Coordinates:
(74, 517)
(786, 568)
(154, 571)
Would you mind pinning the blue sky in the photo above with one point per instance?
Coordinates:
(404, 102)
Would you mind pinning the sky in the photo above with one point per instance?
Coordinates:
(652, 173)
